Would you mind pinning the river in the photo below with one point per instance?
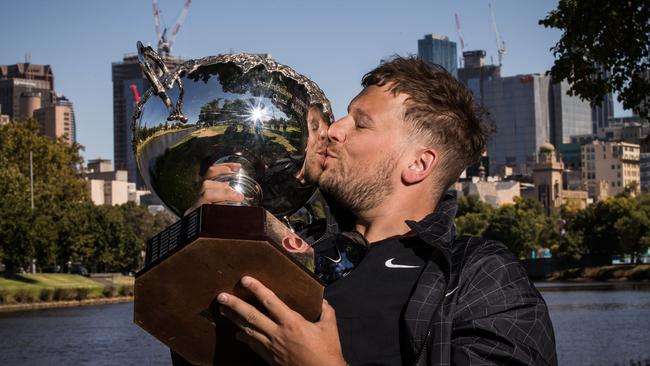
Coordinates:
(593, 326)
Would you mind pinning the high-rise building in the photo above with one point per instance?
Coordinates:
(437, 49)
(610, 167)
(125, 74)
(25, 87)
(569, 115)
(57, 120)
(528, 111)
(475, 73)
(519, 110)
(602, 113)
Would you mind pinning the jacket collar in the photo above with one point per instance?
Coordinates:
(438, 228)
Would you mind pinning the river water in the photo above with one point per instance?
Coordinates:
(593, 326)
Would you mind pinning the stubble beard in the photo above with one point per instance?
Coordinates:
(311, 175)
(360, 190)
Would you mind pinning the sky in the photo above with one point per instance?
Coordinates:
(332, 42)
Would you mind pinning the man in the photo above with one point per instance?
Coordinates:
(421, 295)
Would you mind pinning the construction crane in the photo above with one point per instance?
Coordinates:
(501, 46)
(164, 45)
(460, 39)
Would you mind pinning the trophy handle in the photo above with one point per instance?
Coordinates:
(146, 54)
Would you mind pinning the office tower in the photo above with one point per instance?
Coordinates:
(601, 113)
(475, 73)
(569, 115)
(609, 167)
(519, 110)
(127, 76)
(25, 87)
(437, 49)
(57, 120)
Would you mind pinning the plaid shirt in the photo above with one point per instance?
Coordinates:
(473, 303)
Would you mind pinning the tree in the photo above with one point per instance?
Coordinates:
(522, 227)
(27, 233)
(605, 47)
(473, 215)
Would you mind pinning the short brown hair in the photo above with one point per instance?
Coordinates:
(441, 110)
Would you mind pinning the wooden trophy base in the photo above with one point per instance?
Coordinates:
(208, 252)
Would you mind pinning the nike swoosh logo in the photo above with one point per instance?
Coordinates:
(452, 291)
(335, 261)
(389, 264)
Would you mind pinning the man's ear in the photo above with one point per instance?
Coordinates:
(421, 166)
(293, 244)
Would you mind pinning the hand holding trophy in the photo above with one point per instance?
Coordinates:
(241, 121)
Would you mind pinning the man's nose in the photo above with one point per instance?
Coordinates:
(336, 131)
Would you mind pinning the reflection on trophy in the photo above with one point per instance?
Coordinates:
(239, 108)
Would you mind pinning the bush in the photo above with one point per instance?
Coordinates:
(65, 294)
(5, 297)
(24, 296)
(46, 294)
(110, 291)
(82, 293)
(126, 290)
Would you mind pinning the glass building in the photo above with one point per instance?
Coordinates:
(569, 115)
(437, 49)
(519, 110)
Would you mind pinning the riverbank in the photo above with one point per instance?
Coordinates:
(36, 291)
(614, 273)
(6, 308)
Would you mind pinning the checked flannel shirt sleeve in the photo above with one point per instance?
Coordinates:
(499, 317)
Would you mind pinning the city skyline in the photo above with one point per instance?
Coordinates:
(332, 43)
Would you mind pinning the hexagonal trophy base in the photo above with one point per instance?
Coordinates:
(203, 254)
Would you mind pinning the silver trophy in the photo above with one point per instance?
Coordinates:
(241, 108)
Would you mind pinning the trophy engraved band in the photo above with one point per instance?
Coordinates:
(239, 108)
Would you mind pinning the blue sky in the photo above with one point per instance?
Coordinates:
(333, 42)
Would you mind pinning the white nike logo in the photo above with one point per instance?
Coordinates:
(451, 292)
(389, 263)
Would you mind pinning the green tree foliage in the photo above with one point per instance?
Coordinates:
(473, 215)
(619, 225)
(27, 233)
(64, 225)
(605, 46)
(522, 227)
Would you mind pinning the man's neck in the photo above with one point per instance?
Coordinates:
(389, 218)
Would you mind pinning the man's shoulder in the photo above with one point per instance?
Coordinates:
(470, 250)
(481, 263)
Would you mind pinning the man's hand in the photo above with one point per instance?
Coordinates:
(284, 337)
(213, 192)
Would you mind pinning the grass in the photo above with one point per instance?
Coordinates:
(26, 288)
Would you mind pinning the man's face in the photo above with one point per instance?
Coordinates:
(363, 155)
(316, 144)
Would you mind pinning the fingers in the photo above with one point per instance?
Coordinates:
(280, 312)
(247, 317)
(213, 192)
(246, 325)
(222, 168)
(216, 192)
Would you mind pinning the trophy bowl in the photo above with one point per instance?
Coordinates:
(241, 108)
